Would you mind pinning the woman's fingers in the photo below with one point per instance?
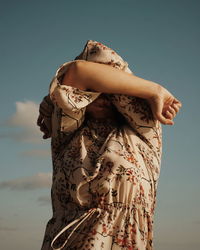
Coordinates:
(44, 129)
(176, 101)
(176, 107)
(45, 126)
(169, 115)
(163, 118)
(172, 111)
(166, 120)
(165, 107)
(159, 112)
(39, 120)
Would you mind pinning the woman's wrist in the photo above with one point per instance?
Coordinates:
(153, 91)
(146, 89)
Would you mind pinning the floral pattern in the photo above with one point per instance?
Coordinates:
(105, 173)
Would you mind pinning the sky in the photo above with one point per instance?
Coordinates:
(160, 41)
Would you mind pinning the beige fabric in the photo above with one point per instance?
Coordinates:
(97, 52)
(105, 173)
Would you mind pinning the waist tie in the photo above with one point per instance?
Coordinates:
(79, 220)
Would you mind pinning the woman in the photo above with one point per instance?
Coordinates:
(105, 129)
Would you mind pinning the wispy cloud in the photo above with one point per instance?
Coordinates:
(44, 200)
(40, 180)
(25, 118)
(197, 222)
(2, 228)
(36, 153)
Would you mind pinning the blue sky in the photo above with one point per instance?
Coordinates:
(160, 41)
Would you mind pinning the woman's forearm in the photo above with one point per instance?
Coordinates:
(106, 79)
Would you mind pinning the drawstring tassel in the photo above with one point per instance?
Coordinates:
(79, 220)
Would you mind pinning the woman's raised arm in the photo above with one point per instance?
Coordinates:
(106, 79)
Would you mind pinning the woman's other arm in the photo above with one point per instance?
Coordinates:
(106, 79)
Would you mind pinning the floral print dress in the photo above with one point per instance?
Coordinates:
(105, 173)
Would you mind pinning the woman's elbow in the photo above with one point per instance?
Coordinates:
(73, 75)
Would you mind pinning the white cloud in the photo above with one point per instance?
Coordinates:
(40, 180)
(25, 118)
(26, 114)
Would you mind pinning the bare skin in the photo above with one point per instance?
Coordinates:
(106, 79)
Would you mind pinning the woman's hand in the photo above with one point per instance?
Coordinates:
(45, 126)
(44, 118)
(164, 106)
(106, 79)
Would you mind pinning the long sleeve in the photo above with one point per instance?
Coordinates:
(69, 103)
(139, 116)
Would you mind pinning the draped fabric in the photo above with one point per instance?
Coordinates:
(105, 172)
